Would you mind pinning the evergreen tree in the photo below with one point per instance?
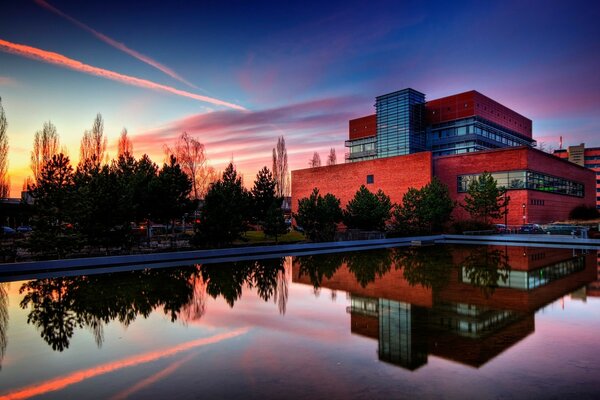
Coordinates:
(170, 192)
(225, 212)
(319, 216)
(367, 210)
(485, 201)
(425, 210)
(53, 232)
(263, 195)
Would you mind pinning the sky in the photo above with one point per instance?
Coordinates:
(239, 74)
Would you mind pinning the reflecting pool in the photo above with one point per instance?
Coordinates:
(429, 322)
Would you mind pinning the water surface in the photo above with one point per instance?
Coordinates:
(452, 322)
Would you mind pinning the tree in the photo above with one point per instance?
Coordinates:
(319, 216)
(191, 155)
(425, 210)
(93, 143)
(315, 161)
(367, 210)
(263, 194)
(331, 158)
(225, 212)
(53, 208)
(280, 169)
(45, 146)
(4, 179)
(125, 146)
(485, 201)
(170, 192)
(274, 222)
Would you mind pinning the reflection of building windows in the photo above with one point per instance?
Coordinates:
(370, 179)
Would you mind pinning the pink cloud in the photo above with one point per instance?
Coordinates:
(249, 136)
(59, 59)
(115, 44)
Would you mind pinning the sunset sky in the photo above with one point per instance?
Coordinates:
(239, 74)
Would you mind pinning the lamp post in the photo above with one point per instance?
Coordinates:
(524, 216)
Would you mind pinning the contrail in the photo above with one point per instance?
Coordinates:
(59, 59)
(61, 382)
(115, 44)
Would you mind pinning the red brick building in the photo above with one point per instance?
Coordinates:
(456, 139)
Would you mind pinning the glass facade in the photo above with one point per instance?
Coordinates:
(361, 149)
(400, 126)
(525, 179)
(471, 134)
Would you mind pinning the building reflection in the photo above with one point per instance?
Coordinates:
(480, 303)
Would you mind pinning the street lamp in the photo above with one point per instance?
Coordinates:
(524, 216)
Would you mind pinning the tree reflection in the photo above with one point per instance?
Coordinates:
(60, 305)
(3, 320)
(228, 280)
(426, 266)
(368, 265)
(317, 267)
(485, 268)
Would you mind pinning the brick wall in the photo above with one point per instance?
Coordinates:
(555, 206)
(393, 175)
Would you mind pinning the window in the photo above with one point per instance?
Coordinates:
(370, 179)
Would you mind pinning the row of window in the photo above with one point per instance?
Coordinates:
(536, 202)
(590, 158)
(525, 179)
(592, 165)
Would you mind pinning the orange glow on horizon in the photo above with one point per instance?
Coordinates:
(79, 376)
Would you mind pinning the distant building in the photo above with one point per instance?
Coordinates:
(586, 157)
(408, 141)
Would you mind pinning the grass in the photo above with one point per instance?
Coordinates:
(258, 237)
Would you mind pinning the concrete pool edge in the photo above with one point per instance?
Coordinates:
(139, 261)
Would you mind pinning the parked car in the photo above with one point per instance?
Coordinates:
(531, 228)
(8, 231)
(501, 228)
(24, 229)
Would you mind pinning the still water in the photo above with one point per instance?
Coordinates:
(451, 322)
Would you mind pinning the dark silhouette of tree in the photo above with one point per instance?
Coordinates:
(319, 216)
(367, 210)
(263, 195)
(274, 223)
(45, 145)
(315, 161)
(280, 168)
(4, 178)
(331, 158)
(125, 147)
(93, 143)
(53, 208)
(226, 211)
(59, 306)
(170, 191)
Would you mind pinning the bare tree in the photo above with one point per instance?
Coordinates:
(4, 179)
(331, 158)
(280, 168)
(125, 145)
(191, 155)
(93, 143)
(315, 161)
(45, 145)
